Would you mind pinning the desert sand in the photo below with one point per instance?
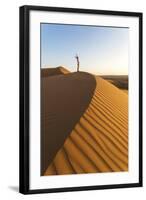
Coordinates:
(120, 81)
(84, 124)
(53, 71)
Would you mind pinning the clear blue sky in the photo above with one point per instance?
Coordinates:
(102, 50)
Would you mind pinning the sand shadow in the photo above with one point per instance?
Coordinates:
(64, 99)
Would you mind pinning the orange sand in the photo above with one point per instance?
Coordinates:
(99, 141)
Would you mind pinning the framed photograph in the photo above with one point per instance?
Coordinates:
(80, 99)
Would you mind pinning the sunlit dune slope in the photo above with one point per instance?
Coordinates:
(99, 140)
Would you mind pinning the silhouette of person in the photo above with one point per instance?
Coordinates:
(78, 62)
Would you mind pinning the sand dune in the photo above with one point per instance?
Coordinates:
(45, 72)
(66, 98)
(120, 81)
(98, 141)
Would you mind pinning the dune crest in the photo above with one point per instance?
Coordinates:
(99, 140)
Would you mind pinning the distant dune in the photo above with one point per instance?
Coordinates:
(98, 137)
(120, 81)
(53, 71)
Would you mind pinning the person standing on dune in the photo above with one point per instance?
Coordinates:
(78, 62)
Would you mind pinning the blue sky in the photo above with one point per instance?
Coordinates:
(102, 50)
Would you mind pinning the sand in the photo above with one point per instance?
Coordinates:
(53, 71)
(98, 140)
(66, 97)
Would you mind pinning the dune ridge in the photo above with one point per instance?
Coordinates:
(99, 140)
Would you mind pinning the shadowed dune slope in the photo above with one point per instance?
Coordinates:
(65, 98)
(99, 140)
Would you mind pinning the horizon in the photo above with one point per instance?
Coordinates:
(65, 67)
(103, 48)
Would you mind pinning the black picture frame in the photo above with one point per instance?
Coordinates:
(25, 105)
